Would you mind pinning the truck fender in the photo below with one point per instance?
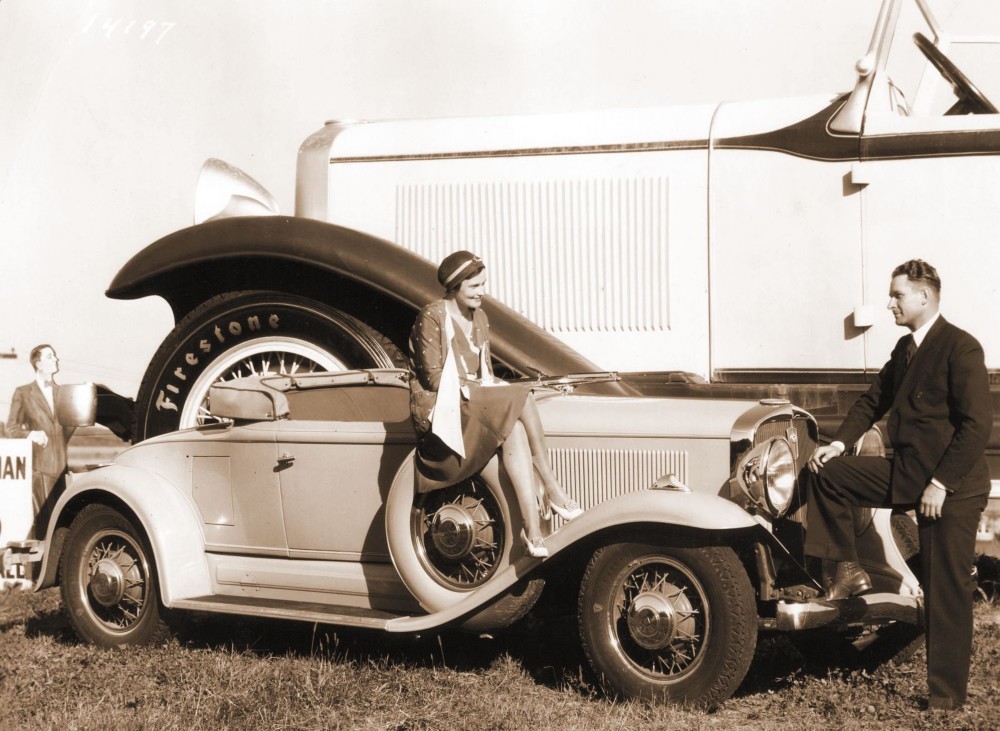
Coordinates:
(176, 266)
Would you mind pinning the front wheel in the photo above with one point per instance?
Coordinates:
(667, 623)
(108, 580)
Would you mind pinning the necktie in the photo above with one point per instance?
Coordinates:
(911, 350)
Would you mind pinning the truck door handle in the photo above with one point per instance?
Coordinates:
(286, 459)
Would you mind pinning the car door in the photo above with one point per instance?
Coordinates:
(235, 486)
(335, 470)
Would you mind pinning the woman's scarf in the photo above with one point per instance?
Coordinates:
(446, 417)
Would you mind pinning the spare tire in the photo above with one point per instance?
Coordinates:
(448, 543)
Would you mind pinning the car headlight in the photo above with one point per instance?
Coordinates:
(767, 476)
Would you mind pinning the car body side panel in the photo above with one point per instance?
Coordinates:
(332, 488)
(230, 475)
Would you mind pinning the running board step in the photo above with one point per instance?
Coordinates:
(859, 610)
(298, 611)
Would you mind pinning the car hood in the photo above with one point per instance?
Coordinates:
(573, 415)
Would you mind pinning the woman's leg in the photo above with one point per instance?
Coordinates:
(536, 439)
(516, 452)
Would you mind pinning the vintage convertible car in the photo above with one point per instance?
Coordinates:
(297, 502)
(705, 239)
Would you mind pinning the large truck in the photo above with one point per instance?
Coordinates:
(740, 248)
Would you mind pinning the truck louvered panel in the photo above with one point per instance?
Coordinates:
(573, 256)
(591, 476)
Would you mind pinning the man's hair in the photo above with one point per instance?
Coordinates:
(918, 270)
(36, 354)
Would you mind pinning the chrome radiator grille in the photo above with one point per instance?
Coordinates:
(778, 427)
(595, 475)
(805, 442)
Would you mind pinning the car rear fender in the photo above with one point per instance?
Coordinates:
(166, 517)
(189, 266)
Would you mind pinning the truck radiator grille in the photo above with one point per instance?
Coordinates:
(591, 476)
(573, 256)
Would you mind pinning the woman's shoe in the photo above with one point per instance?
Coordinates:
(535, 548)
(567, 512)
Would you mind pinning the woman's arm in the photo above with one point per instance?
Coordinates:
(426, 352)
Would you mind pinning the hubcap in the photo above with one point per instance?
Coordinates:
(453, 532)
(660, 619)
(458, 534)
(107, 583)
(652, 621)
(116, 578)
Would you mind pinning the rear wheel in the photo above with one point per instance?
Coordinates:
(249, 333)
(108, 580)
(668, 624)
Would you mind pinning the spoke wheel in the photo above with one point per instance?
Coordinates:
(109, 581)
(660, 618)
(448, 543)
(459, 534)
(665, 623)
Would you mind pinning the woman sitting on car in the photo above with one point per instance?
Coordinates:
(464, 414)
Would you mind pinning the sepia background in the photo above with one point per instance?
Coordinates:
(108, 109)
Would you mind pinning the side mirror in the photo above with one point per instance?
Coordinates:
(76, 404)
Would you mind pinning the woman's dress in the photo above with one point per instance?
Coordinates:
(488, 412)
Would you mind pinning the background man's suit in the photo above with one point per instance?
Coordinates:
(29, 411)
(939, 425)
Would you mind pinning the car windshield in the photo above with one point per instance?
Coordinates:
(967, 32)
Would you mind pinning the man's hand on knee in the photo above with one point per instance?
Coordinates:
(822, 455)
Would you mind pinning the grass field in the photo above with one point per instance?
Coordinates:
(226, 673)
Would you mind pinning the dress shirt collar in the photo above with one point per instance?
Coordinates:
(921, 332)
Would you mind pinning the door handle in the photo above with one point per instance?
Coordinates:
(286, 459)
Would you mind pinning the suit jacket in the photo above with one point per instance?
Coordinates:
(941, 414)
(29, 411)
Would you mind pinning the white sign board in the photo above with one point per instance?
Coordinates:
(15, 490)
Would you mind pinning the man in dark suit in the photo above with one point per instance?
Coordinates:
(936, 390)
(33, 415)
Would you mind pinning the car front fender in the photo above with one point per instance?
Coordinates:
(231, 254)
(646, 508)
(165, 516)
(696, 511)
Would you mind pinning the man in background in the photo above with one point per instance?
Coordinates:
(33, 415)
(935, 389)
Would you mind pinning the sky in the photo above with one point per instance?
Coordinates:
(108, 109)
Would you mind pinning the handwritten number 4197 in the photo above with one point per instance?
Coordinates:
(155, 30)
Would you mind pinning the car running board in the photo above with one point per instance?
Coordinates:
(298, 611)
(860, 610)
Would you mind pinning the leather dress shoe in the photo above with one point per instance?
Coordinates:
(935, 703)
(850, 580)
